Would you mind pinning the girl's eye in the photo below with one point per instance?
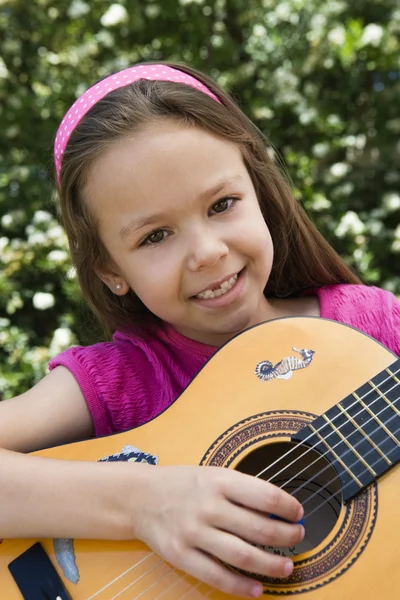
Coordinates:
(155, 237)
(222, 205)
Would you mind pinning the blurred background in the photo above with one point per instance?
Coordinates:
(321, 78)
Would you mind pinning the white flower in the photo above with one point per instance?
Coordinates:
(263, 112)
(333, 120)
(321, 203)
(77, 9)
(321, 149)
(3, 243)
(6, 220)
(372, 35)
(350, 223)
(391, 201)
(355, 141)
(43, 300)
(41, 216)
(339, 169)
(37, 238)
(337, 35)
(318, 21)
(114, 15)
(259, 30)
(286, 80)
(55, 233)
(71, 274)
(62, 338)
(104, 38)
(283, 11)
(396, 241)
(57, 256)
(308, 115)
(3, 69)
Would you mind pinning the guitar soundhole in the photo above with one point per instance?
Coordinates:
(307, 476)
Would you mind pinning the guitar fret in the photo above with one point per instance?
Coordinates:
(386, 430)
(393, 376)
(362, 432)
(352, 448)
(340, 461)
(391, 405)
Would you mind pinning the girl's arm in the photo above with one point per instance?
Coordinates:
(52, 413)
(41, 497)
(187, 514)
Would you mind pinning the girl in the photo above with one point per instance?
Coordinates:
(183, 233)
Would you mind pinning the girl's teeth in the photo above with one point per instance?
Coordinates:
(225, 287)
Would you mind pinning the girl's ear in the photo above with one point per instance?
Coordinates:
(114, 282)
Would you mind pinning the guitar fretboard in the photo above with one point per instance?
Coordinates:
(361, 434)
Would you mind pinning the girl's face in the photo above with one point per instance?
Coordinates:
(179, 216)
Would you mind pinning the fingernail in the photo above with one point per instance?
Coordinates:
(302, 533)
(257, 591)
(288, 568)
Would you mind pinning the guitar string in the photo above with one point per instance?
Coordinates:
(351, 465)
(122, 575)
(176, 583)
(161, 561)
(343, 488)
(308, 499)
(388, 407)
(192, 589)
(171, 586)
(261, 472)
(152, 586)
(372, 449)
(303, 442)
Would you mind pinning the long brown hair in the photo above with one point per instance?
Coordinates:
(302, 257)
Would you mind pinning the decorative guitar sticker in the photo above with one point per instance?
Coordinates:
(64, 547)
(266, 371)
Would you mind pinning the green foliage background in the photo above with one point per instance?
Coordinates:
(320, 78)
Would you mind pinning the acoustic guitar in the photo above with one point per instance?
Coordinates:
(307, 403)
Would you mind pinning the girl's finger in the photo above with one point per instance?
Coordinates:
(239, 553)
(258, 528)
(206, 569)
(263, 497)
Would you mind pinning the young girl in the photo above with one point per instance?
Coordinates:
(183, 234)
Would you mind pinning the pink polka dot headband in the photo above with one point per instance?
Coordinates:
(107, 85)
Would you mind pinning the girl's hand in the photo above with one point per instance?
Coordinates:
(190, 514)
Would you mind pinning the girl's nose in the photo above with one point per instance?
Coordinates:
(205, 250)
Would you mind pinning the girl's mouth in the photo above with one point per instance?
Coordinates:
(229, 291)
(223, 289)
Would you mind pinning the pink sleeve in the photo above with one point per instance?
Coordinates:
(370, 309)
(394, 327)
(88, 366)
(123, 383)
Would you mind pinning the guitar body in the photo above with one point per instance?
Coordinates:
(229, 416)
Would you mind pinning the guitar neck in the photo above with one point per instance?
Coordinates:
(360, 434)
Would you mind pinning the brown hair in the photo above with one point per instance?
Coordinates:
(302, 257)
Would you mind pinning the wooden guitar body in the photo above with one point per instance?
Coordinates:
(233, 417)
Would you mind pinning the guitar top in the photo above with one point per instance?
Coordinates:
(308, 403)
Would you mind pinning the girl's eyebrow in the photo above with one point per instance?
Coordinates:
(139, 222)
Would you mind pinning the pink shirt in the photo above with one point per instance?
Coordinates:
(128, 381)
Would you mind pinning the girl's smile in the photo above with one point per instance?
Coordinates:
(179, 216)
(220, 295)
